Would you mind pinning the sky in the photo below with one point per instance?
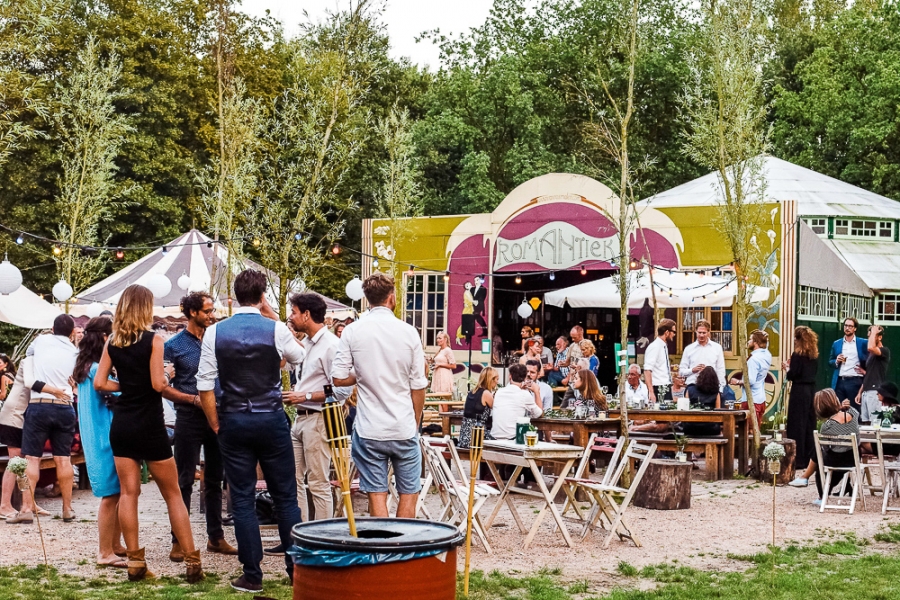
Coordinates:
(405, 19)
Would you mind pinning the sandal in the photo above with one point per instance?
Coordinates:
(43, 512)
(7, 516)
(118, 563)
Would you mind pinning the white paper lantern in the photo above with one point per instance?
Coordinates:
(524, 310)
(93, 309)
(159, 284)
(354, 289)
(62, 291)
(184, 282)
(10, 277)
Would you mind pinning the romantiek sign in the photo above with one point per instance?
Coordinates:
(556, 245)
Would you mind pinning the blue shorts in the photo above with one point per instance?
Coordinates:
(373, 456)
(55, 422)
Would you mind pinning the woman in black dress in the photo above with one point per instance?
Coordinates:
(801, 415)
(138, 432)
(477, 410)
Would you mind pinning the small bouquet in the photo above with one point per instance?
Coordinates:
(884, 417)
(773, 454)
(17, 466)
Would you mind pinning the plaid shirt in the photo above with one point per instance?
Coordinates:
(561, 357)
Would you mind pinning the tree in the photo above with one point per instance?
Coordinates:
(400, 197)
(90, 134)
(313, 133)
(726, 112)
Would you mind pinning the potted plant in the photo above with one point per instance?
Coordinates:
(883, 417)
(773, 454)
(681, 442)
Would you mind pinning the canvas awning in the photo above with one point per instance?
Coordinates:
(24, 308)
(821, 265)
(673, 290)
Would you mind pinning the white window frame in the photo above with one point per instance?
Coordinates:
(864, 229)
(881, 303)
(816, 304)
(818, 222)
(427, 332)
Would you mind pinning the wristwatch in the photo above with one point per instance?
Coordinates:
(308, 396)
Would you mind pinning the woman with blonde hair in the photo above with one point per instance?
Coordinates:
(444, 363)
(138, 431)
(590, 354)
(479, 402)
(801, 371)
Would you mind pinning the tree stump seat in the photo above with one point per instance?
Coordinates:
(666, 485)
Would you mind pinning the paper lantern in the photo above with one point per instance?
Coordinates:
(159, 284)
(10, 277)
(62, 291)
(184, 282)
(354, 289)
(93, 309)
(524, 310)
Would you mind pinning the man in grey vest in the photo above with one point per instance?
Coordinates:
(246, 353)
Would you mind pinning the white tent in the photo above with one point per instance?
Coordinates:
(24, 308)
(192, 259)
(673, 290)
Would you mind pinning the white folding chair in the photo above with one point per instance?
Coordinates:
(611, 499)
(581, 473)
(881, 477)
(851, 474)
(456, 494)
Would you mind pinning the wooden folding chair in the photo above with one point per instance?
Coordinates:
(456, 494)
(852, 474)
(610, 499)
(886, 473)
(581, 473)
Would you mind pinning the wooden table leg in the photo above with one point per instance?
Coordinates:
(445, 424)
(504, 496)
(549, 495)
(744, 446)
(728, 434)
(581, 435)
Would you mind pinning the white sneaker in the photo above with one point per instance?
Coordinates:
(817, 502)
(799, 482)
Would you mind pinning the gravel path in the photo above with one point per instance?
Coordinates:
(730, 517)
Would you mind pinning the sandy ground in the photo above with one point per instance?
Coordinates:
(729, 517)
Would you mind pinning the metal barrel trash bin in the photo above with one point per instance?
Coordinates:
(391, 559)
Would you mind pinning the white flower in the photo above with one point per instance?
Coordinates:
(774, 451)
(17, 466)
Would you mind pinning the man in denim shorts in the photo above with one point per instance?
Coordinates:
(383, 357)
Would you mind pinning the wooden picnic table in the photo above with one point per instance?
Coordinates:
(734, 422)
(507, 452)
(581, 429)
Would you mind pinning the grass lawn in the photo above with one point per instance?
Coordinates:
(834, 570)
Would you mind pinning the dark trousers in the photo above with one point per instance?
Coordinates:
(847, 388)
(192, 432)
(245, 440)
(834, 459)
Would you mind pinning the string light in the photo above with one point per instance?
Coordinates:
(375, 264)
(583, 270)
(165, 250)
(633, 264)
(57, 250)
(411, 271)
(552, 275)
(298, 236)
(209, 244)
(20, 240)
(120, 254)
(256, 242)
(336, 249)
(447, 276)
(518, 279)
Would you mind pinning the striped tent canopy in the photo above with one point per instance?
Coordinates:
(193, 259)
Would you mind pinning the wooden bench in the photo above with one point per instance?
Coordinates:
(714, 448)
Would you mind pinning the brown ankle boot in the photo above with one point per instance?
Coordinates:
(177, 554)
(221, 547)
(193, 572)
(137, 566)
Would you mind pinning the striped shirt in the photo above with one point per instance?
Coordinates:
(833, 428)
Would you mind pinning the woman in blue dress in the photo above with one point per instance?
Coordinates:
(94, 418)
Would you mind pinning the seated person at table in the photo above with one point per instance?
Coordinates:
(584, 390)
(840, 419)
(636, 392)
(706, 393)
(521, 398)
(535, 372)
(887, 394)
(477, 410)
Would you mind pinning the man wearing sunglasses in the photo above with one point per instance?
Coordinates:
(848, 359)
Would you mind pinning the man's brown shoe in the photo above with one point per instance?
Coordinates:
(221, 547)
(177, 554)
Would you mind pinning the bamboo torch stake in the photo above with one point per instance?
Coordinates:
(474, 461)
(339, 443)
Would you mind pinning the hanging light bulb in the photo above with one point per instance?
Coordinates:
(447, 276)
(336, 249)
(375, 264)
(209, 244)
(717, 272)
(583, 270)
(518, 280)
(165, 250)
(120, 254)
(20, 240)
(633, 264)
(57, 250)
(298, 236)
(62, 291)
(552, 275)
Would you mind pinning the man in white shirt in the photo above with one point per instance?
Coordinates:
(246, 352)
(534, 374)
(312, 454)
(636, 391)
(519, 399)
(702, 353)
(657, 369)
(383, 357)
(758, 364)
(49, 417)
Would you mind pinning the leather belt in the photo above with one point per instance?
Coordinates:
(304, 412)
(850, 377)
(50, 401)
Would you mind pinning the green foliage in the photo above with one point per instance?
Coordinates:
(626, 569)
